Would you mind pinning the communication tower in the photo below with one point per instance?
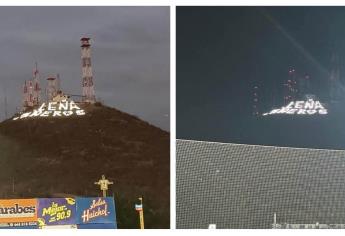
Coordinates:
(255, 111)
(52, 88)
(87, 77)
(32, 91)
(290, 87)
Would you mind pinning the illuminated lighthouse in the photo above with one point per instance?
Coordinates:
(87, 80)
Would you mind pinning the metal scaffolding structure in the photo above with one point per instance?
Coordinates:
(87, 77)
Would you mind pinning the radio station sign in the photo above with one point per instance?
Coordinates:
(56, 211)
(72, 213)
(309, 107)
(100, 210)
(18, 213)
(54, 109)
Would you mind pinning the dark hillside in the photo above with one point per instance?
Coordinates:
(44, 157)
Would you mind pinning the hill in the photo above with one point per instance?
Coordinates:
(46, 157)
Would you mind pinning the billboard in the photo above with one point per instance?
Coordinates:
(54, 109)
(83, 213)
(309, 107)
(56, 211)
(18, 213)
(99, 210)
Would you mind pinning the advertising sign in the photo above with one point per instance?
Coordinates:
(99, 210)
(309, 107)
(56, 211)
(54, 109)
(18, 212)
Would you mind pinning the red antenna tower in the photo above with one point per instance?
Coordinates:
(87, 77)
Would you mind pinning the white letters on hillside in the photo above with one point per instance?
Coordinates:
(54, 109)
(309, 107)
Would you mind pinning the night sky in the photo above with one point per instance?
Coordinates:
(222, 52)
(130, 55)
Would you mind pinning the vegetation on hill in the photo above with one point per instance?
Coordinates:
(64, 156)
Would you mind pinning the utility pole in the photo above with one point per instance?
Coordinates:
(140, 209)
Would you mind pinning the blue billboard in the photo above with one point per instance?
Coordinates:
(81, 213)
(99, 210)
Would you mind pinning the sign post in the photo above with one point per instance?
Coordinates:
(140, 210)
(103, 184)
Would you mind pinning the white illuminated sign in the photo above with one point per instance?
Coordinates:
(309, 107)
(54, 109)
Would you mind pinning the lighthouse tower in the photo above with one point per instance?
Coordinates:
(87, 80)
